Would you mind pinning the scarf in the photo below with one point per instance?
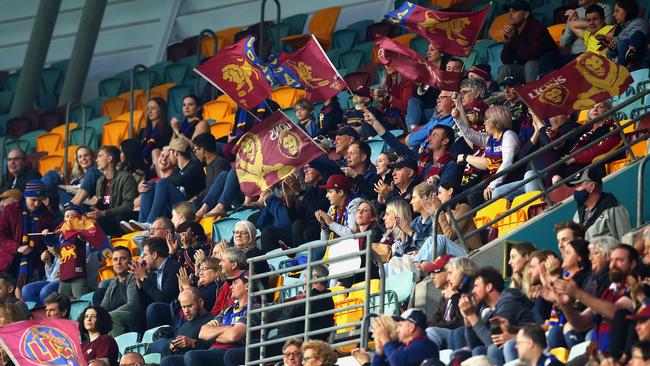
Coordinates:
(340, 216)
(149, 141)
(29, 222)
(188, 126)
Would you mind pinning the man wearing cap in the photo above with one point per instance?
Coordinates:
(642, 319)
(17, 220)
(19, 171)
(339, 220)
(412, 345)
(526, 40)
(598, 212)
(10, 196)
(114, 194)
(233, 260)
(405, 178)
(342, 140)
(185, 183)
(484, 73)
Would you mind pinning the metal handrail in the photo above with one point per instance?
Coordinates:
(2, 153)
(278, 21)
(199, 58)
(639, 198)
(66, 140)
(144, 68)
(539, 173)
(306, 283)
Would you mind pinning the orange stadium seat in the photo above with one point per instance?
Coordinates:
(216, 110)
(71, 153)
(556, 32)
(228, 35)
(405, 39)
(115, 132)
(113, 107)
(220, 129)
(321, 26)
(50, 162)
(139, 119)
(495, 31)
(61, 129)
(49, 142)
(207, 45)
(161, 90)
(286, 96)
(231, 103)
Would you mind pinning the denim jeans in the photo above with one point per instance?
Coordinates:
(224, 190)
(158, 313)
(213, 356)
(38, 291)
(528, 187)
(159, 200)
(439, 336)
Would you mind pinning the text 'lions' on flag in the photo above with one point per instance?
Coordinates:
(451, 32)
(270, 151)
(309, 69)
(43, 342)
(236, 71)
(415, 67)
(579, 85)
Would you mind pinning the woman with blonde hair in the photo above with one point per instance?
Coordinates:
(318, 353)
(397, 211)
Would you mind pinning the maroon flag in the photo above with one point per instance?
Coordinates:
(270, 151)
(310, 69)
(453, 33)
(579, 85)
(235, 70)
(414, 67)
(43, 342)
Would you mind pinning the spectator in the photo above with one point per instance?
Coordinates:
(10, 313)
(400, 243)
(640, 354)
(600, 250)
(444, 106)
(184, 184)
(405, 178)
(531, 347)
(592, 28)
(420, 228)
(19, 171)
(483, 72)
(131, 161)
(361, 99)
(526, 40)
(192, 124)
(132, 359)
(454, 65)
(361, 170)
(192, 239)
(37, 291)
(18, 220)
(367, 219)
(205, 151)
(7, 288)
(627, 43)
(411, 346)
(642, 326)
(186, 336)
(114, 193)
(83, 178)
(121, 299)
(57, 306)
(536, 264)
(421, 107)
(10, 196)
(210, 280)
(318, 353)
(446, 192)
(94, 326)
(160, 286)
(507, 307)
(157, 133)
(304, 110)
(518, 260)
(291, 353)
(598, 212)
(392, 96)
(340, 218)
(244, 237)
(567, 231)
(227, 331)
(382, 164)
(233, 260)
(330, 115)
(342, 140)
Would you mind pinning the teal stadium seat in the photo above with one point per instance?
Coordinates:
(296, 23)
(6, 97)
(175, 97)
(110, 87)
(353, 59)
(223, 228)
(344, 39)
(176, 73)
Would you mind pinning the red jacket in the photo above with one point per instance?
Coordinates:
(11, 231)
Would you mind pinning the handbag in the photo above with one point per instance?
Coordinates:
(383, 251)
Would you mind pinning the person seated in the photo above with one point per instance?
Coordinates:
(342, 141)
(291, 353)
(627, 42)
(122, 299)
(245, 238)
(483, 72)
(517, 261)
(38, 291)
(526, 40)
(392, 96)
(304, 110)
(421, 107)
(83, 178)
(113, 197)
(7, 288)
(405, 178)
(232, 262)
(19, 170)
(330, 115)
(192, 124)
(319, 351)
(18, 250)
(191, 239)
(361, 100)
(472, 93)
(382, 164)
(157, 133)
(339, 220)
(187, 180)
(399, 242)
(206, 152)
(94, 327)
(208, 280)
(595, 29)
(360, 169)
(131, 161)
(132, 359)
(532, 347)
(57, 306)
(186, 336)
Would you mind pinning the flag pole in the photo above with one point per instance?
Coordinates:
(221, 90)
(331, 64)
(477, 35)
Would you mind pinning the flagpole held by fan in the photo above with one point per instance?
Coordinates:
(476, 38)
(331, 64)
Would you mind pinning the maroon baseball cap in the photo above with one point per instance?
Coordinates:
(477, 105)
(643, 313)
(338, 181)
(439, 264)
(362, 91)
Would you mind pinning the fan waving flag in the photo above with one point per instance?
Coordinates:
(414, 67)
(452, 33)
(43, 342)
(87, 229)
(237, 71)
(579, 85)
(310, 69)
(270, 151)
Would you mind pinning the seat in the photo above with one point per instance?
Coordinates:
(525, 197)
(577, 350)
(76, 113)
(206, 223)
(420, 45)
(495, 31)
(216, 110)
(18, 126)
(77, 138)
(162, 90)
(285, 96)
(147, 336)
(344, 39)
(177, 73)
(369, 52)
(402, 284)
(244, 214)
(71, 153)
(352, 60)
(445, 356)
(488, 213)
(61, 129)
(231, 103)
(405, 39)
(6, 97)
(24, 145)
(139, 99)
(88, 297)
(536, 209)
(49, 142)
(223, 228)
(175, 97)
(77, 307)
(556, 32)
(517, 218)
(140, 79)
(139, 119)
(338, 298)
(321, 26)
(115, 132)
(50, 119)
(31, 138)
(50, 162)
(152, 358)
(228, 35)
(276, 32)
(335, 56)
(125, 340)
(110, 87)
(296, 23)
(381, 29)
(97, 124)
(127, 243)
(106, 273)
(376, 147)
(220, 129)
(113, 107)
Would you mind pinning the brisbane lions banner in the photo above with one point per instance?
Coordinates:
(451, 32)
(43, 342)
(270, 151)
(585, 81)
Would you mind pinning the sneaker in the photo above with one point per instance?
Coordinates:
(126, 227)
(139, 226)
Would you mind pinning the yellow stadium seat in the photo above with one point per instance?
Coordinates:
(161, 90)
(113, 107)
(484, 215)
(130, 244)
(61, 129)
(71, 153)
(50, 162)
(207, 45)
(495, 31)
(337, 298)
(640, 148)
(106, 273)
(627, 126)
(220, 129)
(583, 117)
(49, 142)
(517, 218)
(231, 103)
(525, 197)
(139, 99)
(139, 119)
(216, 110)
(321, 26)
(561, 353)
(228, 35)
(286, 96)
(206, 223)
(405, 39)
(115, 132)
(616, 165)
(556, 32)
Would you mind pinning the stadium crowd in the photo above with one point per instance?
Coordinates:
(157, 187)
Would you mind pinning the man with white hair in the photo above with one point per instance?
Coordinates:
(600, 248)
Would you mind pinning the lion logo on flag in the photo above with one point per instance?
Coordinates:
(555, 94)
(48, 345)
(453, 28)
(603, 76)
(289, 144)
(240, 75)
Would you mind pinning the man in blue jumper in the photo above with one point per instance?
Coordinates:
(412, 346)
